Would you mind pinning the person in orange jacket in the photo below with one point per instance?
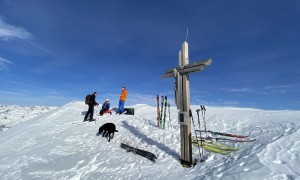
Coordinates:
(122, 100)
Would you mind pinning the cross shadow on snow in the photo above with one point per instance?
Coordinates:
(150, 141)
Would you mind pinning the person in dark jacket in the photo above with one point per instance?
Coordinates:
(91, 104)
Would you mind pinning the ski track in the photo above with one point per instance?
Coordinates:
(62, 150)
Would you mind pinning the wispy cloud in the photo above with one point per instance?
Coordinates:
(236, 90)
(3, 63)
(279, 87)
(41, 48)
(231, 103)
(9, 32)
(10, 93)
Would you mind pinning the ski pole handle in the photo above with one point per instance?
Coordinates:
(198, 111)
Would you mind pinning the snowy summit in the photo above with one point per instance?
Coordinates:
(56, 144)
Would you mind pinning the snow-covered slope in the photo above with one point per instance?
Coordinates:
(56, 145)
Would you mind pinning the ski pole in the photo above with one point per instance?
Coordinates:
(199, 123)
(203, 118)
(96, 113)
(200, 154)
(97, 110)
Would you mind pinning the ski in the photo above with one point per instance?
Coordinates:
(210, 148)
(140, 152)
(103, 116)
(234, 140)
(158, 111)
(169, 123)
(77, 123)
(165, 113)
(216, 145)
(83, 122)
(224, 134)
(162, 110)
(227, 139)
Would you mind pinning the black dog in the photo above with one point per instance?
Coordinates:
(108, 130)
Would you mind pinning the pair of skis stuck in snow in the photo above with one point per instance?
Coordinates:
(210, 140)
(162, 113)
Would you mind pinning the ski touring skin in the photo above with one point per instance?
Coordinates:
(215, 145)
(210, 148)
(140, 152)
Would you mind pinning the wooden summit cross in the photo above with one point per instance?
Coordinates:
(182, 99)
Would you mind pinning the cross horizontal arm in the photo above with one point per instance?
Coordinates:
(169, 73)
(193, 67)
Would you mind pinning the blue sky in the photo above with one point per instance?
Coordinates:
(54, 52)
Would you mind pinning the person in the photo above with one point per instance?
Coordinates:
(122, 100)
(91, 105)
(105, 107)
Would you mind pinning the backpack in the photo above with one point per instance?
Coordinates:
(88, 99)
(129, 111)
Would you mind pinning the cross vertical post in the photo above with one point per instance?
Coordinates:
(182, 99)
(184, 106)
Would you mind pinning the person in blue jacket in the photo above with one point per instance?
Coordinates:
(105, 108)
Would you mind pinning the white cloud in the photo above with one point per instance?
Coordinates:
(279, 87)
(237, 90)
(8, 32)
(10, 93)
(230, 103)
(3, 63)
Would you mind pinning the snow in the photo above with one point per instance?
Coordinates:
(10, 115)
(53, 143)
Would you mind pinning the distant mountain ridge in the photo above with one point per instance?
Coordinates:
(10, 115)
